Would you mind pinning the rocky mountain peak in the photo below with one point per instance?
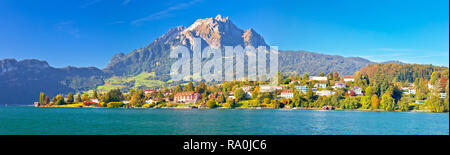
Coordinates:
(220, 31)
(220, 18)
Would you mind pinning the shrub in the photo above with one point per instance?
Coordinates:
(211, 104)
(115, 104)
(226, 105)
(171, 104)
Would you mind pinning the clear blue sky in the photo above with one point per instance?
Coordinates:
(90, 32)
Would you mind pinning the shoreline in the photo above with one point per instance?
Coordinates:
(253, 108)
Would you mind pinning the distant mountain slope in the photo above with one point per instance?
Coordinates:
(22, 81)
(218, 32)
(300, 62)
(394, 62)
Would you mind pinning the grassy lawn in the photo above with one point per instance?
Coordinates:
(138, 81)
(75, 105)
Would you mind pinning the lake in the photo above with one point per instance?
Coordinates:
(90, 121)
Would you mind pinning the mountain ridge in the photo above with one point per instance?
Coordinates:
(29, 77)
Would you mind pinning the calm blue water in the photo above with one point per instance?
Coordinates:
(30, 120)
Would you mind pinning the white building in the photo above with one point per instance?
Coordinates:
(95, 100)
(279, 87)
(246, 88)
(349, 78)
(443, 95)
(408, 90)
(320, 85)
(266, 88)
(324, 93)
(339, 85)
(318, 78)
(358, 90)
(287, 94)
(149, 101)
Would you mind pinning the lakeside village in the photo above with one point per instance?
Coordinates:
(328, 92)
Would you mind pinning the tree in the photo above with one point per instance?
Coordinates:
(95, 95)
(403, 104)
(190, 87)
(255, 93)
(336, 76)
(435, 104)
(201, 88)
(211, 104)
(54, 100)
(46, 100)
(231, 102)
(365, 102)
(78, 99)
(59, 100)
(136, 100)
(322, 74)
(310, 95)
(239, 94)
(434, 77)
(85, 97)
(276, 104)
(374, 101)
(41, 98)
(178, 89)
(114, 96)
(70, 99)
(221, 98)
(305, 77)
(297, 99)
(368, 91)
(387, 102)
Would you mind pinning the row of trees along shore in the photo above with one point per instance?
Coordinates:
(381, 83)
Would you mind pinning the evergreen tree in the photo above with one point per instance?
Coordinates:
(178, 89)
(70, 99)
(78, 99)
(190, 87)
(95, 95)
(115, 96)
(41, 98)
(310, 95)
(297, 99)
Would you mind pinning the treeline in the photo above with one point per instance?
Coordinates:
(386, 80)
(381, 85)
